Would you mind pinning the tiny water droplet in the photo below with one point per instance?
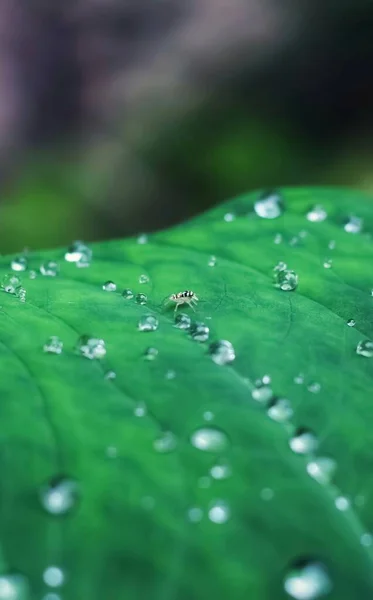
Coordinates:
(21, 293)
(147, 323)
(144, 279)
(266, 379)
(53, 345)
(342, 503)
(204, 482)
(10, 283)
(212, 261)
(222, 352)
(182, 321)
(366, 540)
(304, 441)
(269, 205)
(165, 443)
(51, 596)
(314, 387)
(127, 294)
(59, 496)
(49, 269)
(328, 263)
(79, 253)
(140, 409)
(229, 217)
(199, 332)
(32, 274)
(307, 580)
(151, 353)
(110, 375)
(267, 494)
(351, 322)
(141, 299)
(219, 512)
(332, 244)
(354, 224)
(299, 379)
(285, 279)
(19, 263)
(294, 241)
(322, 469)
(365, 348)
(53, 576)
(262, 393)
(280, 410)
(209, 439)
(170, 374)
(111, 452)
(91, 347)
(208, 415)
(317, 214)
(221, 470)
(142, 239)
(147, 502)
(109, 286)
(195, 514)
(14, 586)
(278, 238)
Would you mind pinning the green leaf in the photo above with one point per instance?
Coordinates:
(180, 478)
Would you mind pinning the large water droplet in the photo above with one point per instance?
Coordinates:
(317, 214)
(50, 268)
(285, 279)
(79, 253)
(151, 353)
(144, 279)
(219, 512)
(307, 580)
(209, 439)
(322, 469)
(53, 345)
(262, 393)
(269, 206)
(109, 286)
(365, 348)
(165, 443)
(221, 470)
(148, 323)
(19, 263)
(91, 347)
(127, 294)
(59, 496)
(199, 332)
(10, 283)
(351, 322)
(13, 586)
(182, 321)
(280, 410)
(141, 299)
(53, 576)
(222, 352)
(304, 441)
(353, 225)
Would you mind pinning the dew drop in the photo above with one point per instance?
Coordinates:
(53, 345)
(365, 348)
(32, 274)
(229, 217)
(267, 494)
(219, 512)
(222, 352)
(204, 482)
(110, 375)
(269, 205)
(299, 379)
(195, 514)
(332, 244)
(141, 299)
(317, 214)
(285, 279)
(182, 321)
(322, 469)
(111, 452)
(280, 410)
(109, 286)
(21, 293)
(366, 540)
(59, 496)
(91, 347)
(307, 580)
(221, 470)
(328, 263)
(19, 263)
(53, 576)
(79, 253)
(208, 415)
(147, 502)
(148, 323)
(262, 393)
(49, 269)
(51, 596)
(200, 332)
(10, 284)
(165, 443)
(351, 322)
(142, 239)
(303, 442)
(353, 225)
(314, 387)
(209, 439)
(140, 409)
(13, 586)
(144, 279)
(127, 294)
(170, 374)
(212, 261)
(342, 503)
(151, 353)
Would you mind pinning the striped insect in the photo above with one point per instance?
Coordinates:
(188, 297)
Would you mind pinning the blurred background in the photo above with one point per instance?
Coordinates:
(124, 116)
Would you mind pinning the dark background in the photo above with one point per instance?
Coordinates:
(123, 116)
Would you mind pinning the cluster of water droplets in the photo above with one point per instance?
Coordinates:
(11, 284)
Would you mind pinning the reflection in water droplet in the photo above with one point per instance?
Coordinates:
(19, 263)
(91, 347)
(299, 379)
(49, 269)
(229, 217)
(195, 514)
(285, 279)
(280, 410)
(199, 332)
(212, 261)
(10, 283)
(141, 298)
(151, 353)
(219, 512)
(109, 286)
(165, 443)
(13, 586)
(365, 348)
(354, 225)
(127, 294)
(328, 263)
(209, 439)
(182, 321)
(221, 470)
(59, 496)
(110, 375)
(342, 503)
(140, 409)
(317, 214)
(267, 494)
(351, 322)
(322, 469)
(303, 442)
(222, 352)
(269, 205)
(366, 540)
(314, 387)
(53, 576)
(53, 345)
(144, 279)
(262, 393)
(79, 254)
(307, 580)
(142, 239)
(148, 323)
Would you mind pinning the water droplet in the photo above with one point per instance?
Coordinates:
(328, 263)
(269, 205)
(266, 379)
(140, 409)
(307, 580)
(13, 586)
(366, 540)
(110, 375)
(147, 502)
(208, 415)
(59, 496)
(365, 348)
(165, 443)
(141, 299)
(212, 261)
(353, 225)
(219, 512)
(21, 293)
(322, 469)
(170, 374)
(79, 253)
(151, 353)
(51, 596)
(91, 347)
(262, 393)
(10, 283)
(111, 452)
(109, 286)
(209, 439)
(199, 332)
(204, 482)
(342, 503)
(294, 241)
(53, 345)
(148, 323)
(53, 576)
(303, 442)
(195, 514)
(144, 279)
(142, 239)
(221, 470)
(229, 217)
(351, 322)
(222, 352)
(284, 278)
(267, 494)
(280, 410)
(19, 263)
(314, 387)
(128, 294)
(49, 269)
(299, 379)
(277, 238)
(32, 274)
(332, 244)
(182, 321)
(317, 214)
